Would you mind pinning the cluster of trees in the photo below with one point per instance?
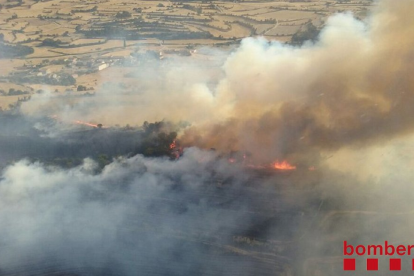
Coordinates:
(157, 139)
(13, 4)
(183, 35)
(51, 42)
(59, 44)
(142, 30)
(13, 51)
(66, 17)
(13, 92)
(108, 30)
(62, 79)
(123, 14)
(308, 32)
(198, 9)
(93, 9)
(81, 88)
(70, 148)
(257, 21)
(176, 18)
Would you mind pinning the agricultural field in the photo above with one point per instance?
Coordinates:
(61, 44)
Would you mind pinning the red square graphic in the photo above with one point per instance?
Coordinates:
(395, 264)
(349, 264)
(372, 264)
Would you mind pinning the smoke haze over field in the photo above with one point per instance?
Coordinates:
(140, 215)
(352, 86)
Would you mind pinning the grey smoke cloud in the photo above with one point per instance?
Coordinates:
(140, 215)
(158, 217)
(352, 86)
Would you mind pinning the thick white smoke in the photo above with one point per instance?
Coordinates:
(139, 214)
(151, 216)
(274, 100)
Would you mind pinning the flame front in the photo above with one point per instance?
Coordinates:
(85, 123)
(173, 145)
(284, 165)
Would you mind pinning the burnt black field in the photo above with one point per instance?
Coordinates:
(66, 144)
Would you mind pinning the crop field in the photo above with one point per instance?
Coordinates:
(44, 33)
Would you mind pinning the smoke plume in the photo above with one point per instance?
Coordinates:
(140, 215)
(352, 86)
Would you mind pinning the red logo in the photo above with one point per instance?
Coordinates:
(372, 251)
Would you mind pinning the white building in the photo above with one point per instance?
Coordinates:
(103, 66)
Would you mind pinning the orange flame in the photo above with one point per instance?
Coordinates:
(284, 165)
(86, 124)
(176, 150)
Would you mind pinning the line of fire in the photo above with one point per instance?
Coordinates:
(279, 208)
(240, 158)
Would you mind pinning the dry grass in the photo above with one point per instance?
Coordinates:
(227, 22)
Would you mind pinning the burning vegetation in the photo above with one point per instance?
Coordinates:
(284, 166)
(67, 143)
(88, 124)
